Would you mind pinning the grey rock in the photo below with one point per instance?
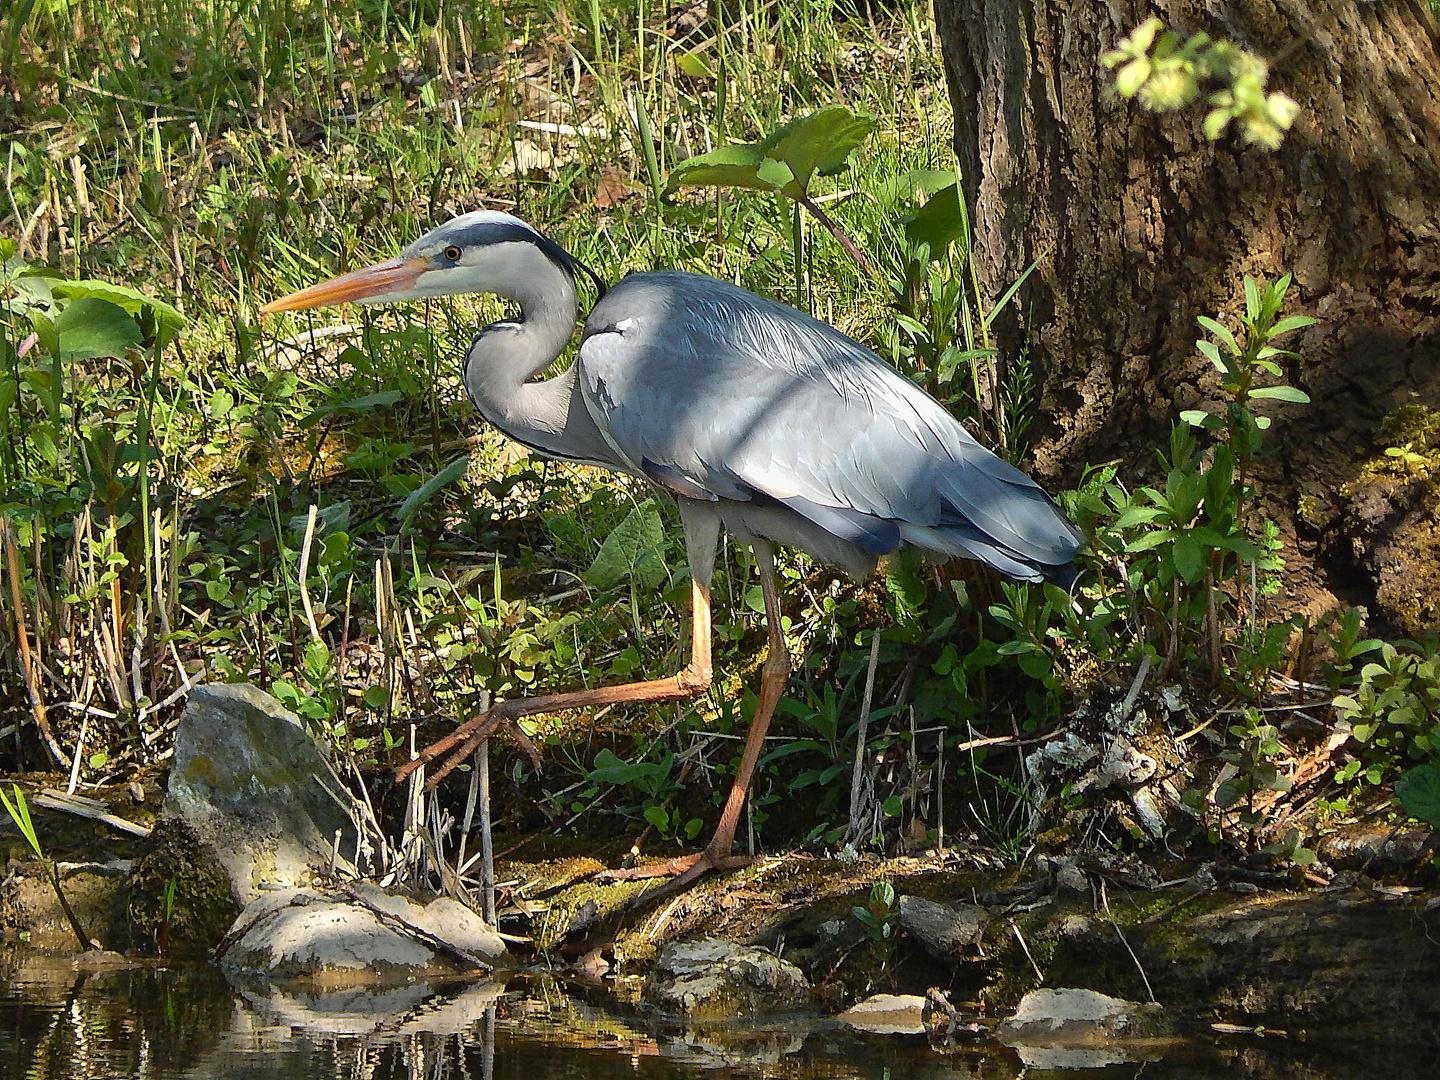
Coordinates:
(713, 979)
(1070, 1028)
(946, 931)
(373, 938)
(252, 783)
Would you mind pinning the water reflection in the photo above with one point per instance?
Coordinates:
(152, 1022)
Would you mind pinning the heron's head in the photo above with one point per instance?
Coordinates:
(480, 252)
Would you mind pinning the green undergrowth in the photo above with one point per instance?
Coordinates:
(192, 493)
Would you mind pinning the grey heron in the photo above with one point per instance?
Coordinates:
(751, 415)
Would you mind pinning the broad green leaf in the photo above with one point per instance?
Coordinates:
(133, 301)
(426, 491)
(91, 327)
(1189, 562)
(1137, 515)
(819, 143)
(635, 548)
(786, 160)
(904, 186)
(610, 769)
(730, 166)
(939, 223)
(1202, 419)
(1418, 792)
(361, 404)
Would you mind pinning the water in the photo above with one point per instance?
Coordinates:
(189, 1022)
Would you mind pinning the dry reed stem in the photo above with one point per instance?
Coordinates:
(32, 684)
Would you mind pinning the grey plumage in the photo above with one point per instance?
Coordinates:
(718, 394)
(748, 412)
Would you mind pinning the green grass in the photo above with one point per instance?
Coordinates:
(218, 155)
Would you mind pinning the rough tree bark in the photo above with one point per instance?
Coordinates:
(1144, 225)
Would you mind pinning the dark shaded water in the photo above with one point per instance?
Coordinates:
(189, 1022)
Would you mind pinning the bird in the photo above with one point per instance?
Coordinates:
(751, 415)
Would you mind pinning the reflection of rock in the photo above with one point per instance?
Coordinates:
(887, 1014)
(732, 1048)
(399, 1010)
(1079, 1029)
(360, 938)
(250, 780)
(945, 931)
(713, 979)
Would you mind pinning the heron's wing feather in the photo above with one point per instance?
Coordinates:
(741, 396)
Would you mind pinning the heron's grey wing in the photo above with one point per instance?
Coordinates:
(707, 385)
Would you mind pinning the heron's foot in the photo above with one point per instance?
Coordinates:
(463, 741)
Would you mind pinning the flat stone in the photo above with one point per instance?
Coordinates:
(887, 1014)
(252, 782)
(713, 979)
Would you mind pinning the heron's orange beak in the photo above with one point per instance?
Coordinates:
(390, 276)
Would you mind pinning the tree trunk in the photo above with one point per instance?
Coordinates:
(1141, 225)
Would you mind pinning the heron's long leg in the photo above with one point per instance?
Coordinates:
(716, 855)
(691, 680)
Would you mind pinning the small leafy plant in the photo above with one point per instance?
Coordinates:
(878, 914)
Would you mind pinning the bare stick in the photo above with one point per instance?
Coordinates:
(487, 849)
(305, 571)
(860, 735)
(940, 798)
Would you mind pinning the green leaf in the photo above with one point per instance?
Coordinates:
(729, 166)
(693, 65)
(1202, 419)
(1418, 792)
(131, 301)
(786, 160)
(636, 548)
(1132, 76)
(939, 223)
(658, 817)
(1211, 350)
(1291, 322)
(610, 769)
(892, 806)
(426, 491)
(1189, 561)
(91, 327)
(1281, 393)
(382, 399)
(1219, 331)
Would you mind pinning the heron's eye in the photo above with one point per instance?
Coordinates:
(452, 253)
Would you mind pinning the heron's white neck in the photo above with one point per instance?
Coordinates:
(548, 415)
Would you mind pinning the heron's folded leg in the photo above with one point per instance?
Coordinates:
(691, 680)
(716, 855)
